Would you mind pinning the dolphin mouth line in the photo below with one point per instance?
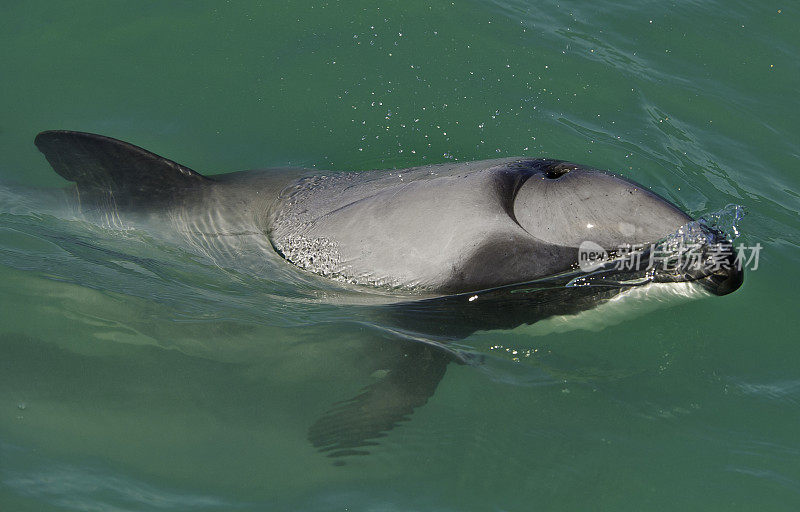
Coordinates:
(718, 270)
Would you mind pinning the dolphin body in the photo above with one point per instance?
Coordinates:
(453, 248)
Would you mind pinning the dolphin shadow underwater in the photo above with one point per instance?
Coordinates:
(453, 248)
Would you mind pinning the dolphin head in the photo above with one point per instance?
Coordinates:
(563, 208)
(620, 216)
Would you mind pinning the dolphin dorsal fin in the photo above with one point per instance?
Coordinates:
(102, 166)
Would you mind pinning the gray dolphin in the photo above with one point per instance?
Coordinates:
(454, 247)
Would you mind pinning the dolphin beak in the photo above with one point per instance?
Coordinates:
(726, 279)
(719, 270)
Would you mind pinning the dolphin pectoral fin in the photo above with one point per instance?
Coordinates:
(355, 424)
(116, 172)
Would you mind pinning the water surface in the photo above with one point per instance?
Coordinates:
(137, 374)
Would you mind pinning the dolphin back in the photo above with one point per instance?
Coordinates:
(107, 170)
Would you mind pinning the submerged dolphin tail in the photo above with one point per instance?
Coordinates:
(107, 169)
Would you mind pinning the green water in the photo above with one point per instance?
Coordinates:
(135, 376)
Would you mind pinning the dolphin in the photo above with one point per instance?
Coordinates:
(451, 248)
